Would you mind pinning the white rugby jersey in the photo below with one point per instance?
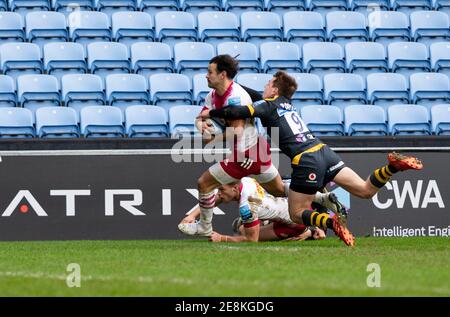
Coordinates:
(235, 96)
(261, 204)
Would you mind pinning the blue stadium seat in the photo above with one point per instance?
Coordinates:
(126, 89)
(130, 27)
(199, 6)
(364, 58)
(323, 120)
(429, 88)
(388, 27)
(409, 6)
(408, 120)
(3, 5)
(429, 27)
(368, 6)
(37, 91)
(81, 90)
(309, 90)
(216, 27)
(200, 88)
(440, 119)
(16, 123)
(440, 57)
(146, 121)
(170, 89)
(112, 6)
(68, 6)
(182, 121)
(64, 58)
(442, 6)
(101, 121)
(172, 27)
(302, 27)
(387, 88)
(240, 6)
(25, 6)
(87, 27)
(322, 58)
(192, 57)
(106, 58)
(257, 27)
(325, 6)
(247, 55)
(56, 122)
(363, 120)
(11, 27)
(280, 55)
(155, 6)
(149, 58)
(7, 92)
(408, 57)
(43, 27)
(345, 26)
(20, 58)
(283, 6)
(254, 81)
(341, 89)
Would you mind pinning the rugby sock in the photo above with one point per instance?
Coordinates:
(313, 218)
(206, 202)
(381, 176)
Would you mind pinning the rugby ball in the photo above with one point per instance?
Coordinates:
(215, 126)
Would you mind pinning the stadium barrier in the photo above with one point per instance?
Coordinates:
(110, 189)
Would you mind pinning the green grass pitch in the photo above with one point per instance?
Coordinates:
(409, 267)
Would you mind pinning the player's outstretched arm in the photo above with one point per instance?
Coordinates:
(250, 235)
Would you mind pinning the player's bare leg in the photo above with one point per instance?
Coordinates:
(207, 200)
(299, 211)
(275, 187)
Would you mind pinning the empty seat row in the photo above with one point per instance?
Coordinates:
(98, 121)
(227, 5)
(105, 58)
(336, 89)
(153, 121)
(296, 26)
(364, 120)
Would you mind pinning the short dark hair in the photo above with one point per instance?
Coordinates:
(286, 84)
(226, 63)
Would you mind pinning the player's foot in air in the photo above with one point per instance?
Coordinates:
(331, 202)
(342, 232)
(403, 162)
(195, 229)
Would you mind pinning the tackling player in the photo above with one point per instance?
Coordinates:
(313, 163)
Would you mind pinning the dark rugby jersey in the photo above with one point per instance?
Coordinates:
(293, 137)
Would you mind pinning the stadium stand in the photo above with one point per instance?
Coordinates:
(363, 120)
(100, 121)
(16, 123)
(323, 120)
(440, 119)
(182, 120)
(56, 122)
(408, 120)
(131, 27)
(341, 52)
(7, 92)
(11, 27)
(146, 121)
(149, 58)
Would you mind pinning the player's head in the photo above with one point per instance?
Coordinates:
(229, 192)
(221, 68)
(281, 84)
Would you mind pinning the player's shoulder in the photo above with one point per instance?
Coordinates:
(238, 91)
(248, 185)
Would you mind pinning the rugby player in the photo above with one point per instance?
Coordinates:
(313, 163)
(256, 206)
